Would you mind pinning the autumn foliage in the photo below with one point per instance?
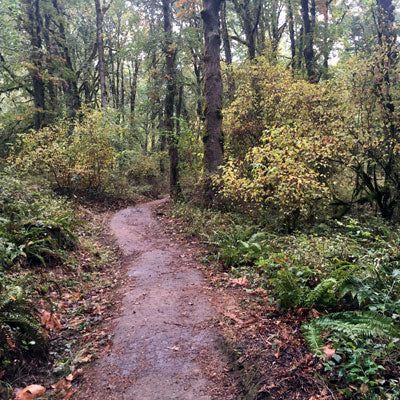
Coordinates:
(285, 138)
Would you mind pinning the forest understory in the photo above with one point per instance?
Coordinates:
(273, 127)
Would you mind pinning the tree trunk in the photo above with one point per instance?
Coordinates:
(308, 44)
(33, 26)
(134, 77)
(170, 55)
(122, 91)
(225, 35)
(213, 140)
(291, 33)
(74, 101)
(100, 51)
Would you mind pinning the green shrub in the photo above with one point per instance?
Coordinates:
(35, 227)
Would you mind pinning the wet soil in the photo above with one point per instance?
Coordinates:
(165, 343)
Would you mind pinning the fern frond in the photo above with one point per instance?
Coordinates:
(313, 337)
(323, 293)
(12, 296)
(351, 325)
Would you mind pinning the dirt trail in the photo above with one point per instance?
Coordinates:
(165, 326)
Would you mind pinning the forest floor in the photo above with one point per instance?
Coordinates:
(166, 344)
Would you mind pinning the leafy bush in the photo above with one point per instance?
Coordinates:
(35, 227)
(80, 158)
(296, 133)
(363, 348)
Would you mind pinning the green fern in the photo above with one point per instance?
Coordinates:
(288, 290)
(312, 335)
(351, 325)
(323, 293)
(18, 323)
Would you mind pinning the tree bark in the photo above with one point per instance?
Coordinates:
(133, 84)
(74, 101)
(225, 35)
(291, 33)
(100, 11)
(170, 55)
(213, 140)
(308, 44)
(33, 26)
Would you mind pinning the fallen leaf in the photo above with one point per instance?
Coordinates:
(329, 352)
(363, 388)
(87, 358)
(71, 377)
(240, 281)
(61, 385)
(266, 388)
(175, 348)
(234, 318)
(50, 321)
(11, 343)
(30, 392)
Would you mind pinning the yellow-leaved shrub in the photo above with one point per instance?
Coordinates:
(285, 139)
(78, 158)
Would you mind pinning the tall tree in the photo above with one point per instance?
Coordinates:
(308, 37)
(33, 24)
(249, 13)
(170, 75)
(101, 9)
(213, 140)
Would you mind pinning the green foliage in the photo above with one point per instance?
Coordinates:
(363, 345)
(20, 332)
(35, 227)
(95, 156)
(71, 158)
(284, 136)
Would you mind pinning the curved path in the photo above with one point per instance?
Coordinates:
(165, 326)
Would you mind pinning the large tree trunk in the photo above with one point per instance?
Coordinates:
(170, 55)
(213, 146)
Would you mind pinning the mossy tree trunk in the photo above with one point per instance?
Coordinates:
(213, 140)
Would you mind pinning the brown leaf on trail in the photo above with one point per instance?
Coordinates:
(30, 392)
(278, 352)
(86, 359)
(266, 388)
(240, 281)
(50, 321)
(329, 352)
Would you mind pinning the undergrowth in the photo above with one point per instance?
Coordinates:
(50, 251)
(348, 271)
